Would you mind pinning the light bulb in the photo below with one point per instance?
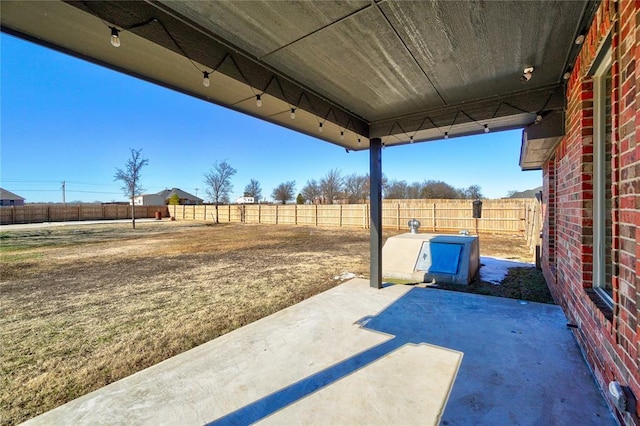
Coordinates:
(486, 128)
(359, 141)
(293, 113)
(115, 38)
(538, 118)
(410, 139)
(341, 135)
(446, 135)
(205, 79)
(320, 127)
(258, 101)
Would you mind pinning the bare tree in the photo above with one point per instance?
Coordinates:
(396, 190)
(130, 179)
(331, 185)
(438, 189)
(473, 192)
(218, 183)
(284, 191)
(356, 187)
(253, 189)
(413, 190)
(311, 191)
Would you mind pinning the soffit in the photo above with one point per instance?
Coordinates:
(390, 69)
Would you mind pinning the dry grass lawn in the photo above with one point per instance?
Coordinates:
(82, 306)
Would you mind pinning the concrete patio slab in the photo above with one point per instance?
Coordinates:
(355, 355)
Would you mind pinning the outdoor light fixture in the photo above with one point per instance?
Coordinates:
(258, 101)
(341, 134)
(618, 396)
(446, 135)
(526, 74)
(486, 128)
(205, 79)
(293, 113)
(320, 129)
(580, 39)
(115, 37)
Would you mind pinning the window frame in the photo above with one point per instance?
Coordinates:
(599, 177)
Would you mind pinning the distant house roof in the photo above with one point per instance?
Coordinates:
(168, 193)
(8, 195)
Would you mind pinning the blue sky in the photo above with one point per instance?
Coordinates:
(63, 119)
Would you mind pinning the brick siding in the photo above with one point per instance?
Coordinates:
(608, 338)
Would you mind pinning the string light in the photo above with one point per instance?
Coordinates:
(115, 37)
(205, 79)
(258, 101)
(320, 129)
(486, 128)
(446, 135)
(538, 118)
(341, 135)
(293, 113)
(410, 139)
(359, 141)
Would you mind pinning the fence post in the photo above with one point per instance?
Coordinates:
(398, 216)
(295, 214)
(364, 216)
(276, 214)
(316, 214)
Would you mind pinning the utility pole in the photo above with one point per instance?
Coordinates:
(197, 191)
(63, 195)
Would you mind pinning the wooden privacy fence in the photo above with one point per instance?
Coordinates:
(513, 216)
(34, 213)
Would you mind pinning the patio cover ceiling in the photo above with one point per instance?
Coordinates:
(396, 70)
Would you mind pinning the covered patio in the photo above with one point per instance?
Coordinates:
(363, 75)
(401, 355)
(359, 74)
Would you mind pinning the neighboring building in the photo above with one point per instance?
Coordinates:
(163, 197)
(8, 198)
(245, 200)
(149, 200)
(591, 201)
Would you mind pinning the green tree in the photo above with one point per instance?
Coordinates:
(174, 200)
(299, 199)
(130, 178)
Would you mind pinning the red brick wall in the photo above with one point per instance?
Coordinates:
(611, 345)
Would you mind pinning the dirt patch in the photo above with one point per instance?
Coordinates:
(83, 306)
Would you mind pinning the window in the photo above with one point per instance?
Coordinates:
(602, 203)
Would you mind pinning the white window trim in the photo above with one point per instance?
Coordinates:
(599, 190)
